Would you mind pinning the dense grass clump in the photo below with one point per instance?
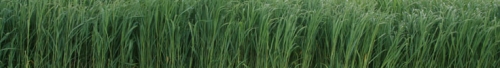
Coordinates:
(249, 33)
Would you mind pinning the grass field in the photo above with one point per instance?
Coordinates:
(249, 33)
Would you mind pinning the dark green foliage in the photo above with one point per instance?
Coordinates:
(249, 34)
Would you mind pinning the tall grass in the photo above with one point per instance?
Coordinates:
(249, 33)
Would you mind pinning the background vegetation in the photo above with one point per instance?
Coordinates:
(249, 33)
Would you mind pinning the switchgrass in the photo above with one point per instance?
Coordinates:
(249, 33)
